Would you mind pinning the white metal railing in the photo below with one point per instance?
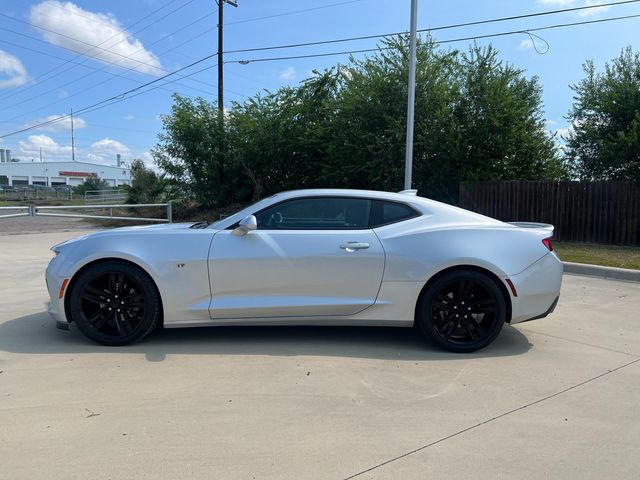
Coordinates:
(22, 213)
(42, 211)
(47, 211)
(104, 196)
(59, 211)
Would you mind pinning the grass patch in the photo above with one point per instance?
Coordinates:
(606, 255)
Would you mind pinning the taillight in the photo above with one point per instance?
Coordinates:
(548, 244)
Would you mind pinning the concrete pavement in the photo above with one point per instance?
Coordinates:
(553, 398)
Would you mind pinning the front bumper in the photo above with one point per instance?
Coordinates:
(538, 289)
(55, 305)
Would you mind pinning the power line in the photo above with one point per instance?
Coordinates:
(136, 89)
(92, 47)
(105, 71)
(343, 39)
(129, 97)
(124, 57)
(124, 31)
(117, 63)
(294, 12)
(432, 29)
(453, 40)
(119, 96)
(96, 70)
(92, 87)
(120, 32)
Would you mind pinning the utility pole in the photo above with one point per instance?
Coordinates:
(73, 145)
(411, 101)
(221, 3)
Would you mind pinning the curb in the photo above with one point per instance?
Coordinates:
(600, 271)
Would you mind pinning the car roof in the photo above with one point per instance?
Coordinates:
(425, 205)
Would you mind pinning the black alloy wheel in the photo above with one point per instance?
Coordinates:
(114, 303)
(463, 311)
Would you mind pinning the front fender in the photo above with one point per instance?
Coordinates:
(176, 261)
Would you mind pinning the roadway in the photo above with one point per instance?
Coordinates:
(553, 398)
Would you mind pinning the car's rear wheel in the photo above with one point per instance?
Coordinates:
(462, 311)
(114, 303)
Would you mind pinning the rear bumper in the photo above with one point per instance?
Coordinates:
(545, 314)
(538, 289)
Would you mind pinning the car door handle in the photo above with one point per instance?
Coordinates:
(353, 246)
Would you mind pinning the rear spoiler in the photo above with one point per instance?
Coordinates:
(544, 226)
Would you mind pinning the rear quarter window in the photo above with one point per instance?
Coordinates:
(384, 212)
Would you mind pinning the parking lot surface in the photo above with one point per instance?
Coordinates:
(553, 398)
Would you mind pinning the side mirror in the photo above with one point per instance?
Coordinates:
(245, 226)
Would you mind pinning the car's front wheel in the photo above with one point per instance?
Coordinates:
(114, 303)
(462, 311)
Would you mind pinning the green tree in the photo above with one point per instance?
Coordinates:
(146, 185)
(604, 143)
(476, 119)
(279, 140)
(190, 149)
(92, 182)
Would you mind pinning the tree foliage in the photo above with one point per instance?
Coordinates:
(604, 143)
(476, 119)
(92, 182)
(189, 149)
(146, 185)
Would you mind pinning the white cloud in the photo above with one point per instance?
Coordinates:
(105, 151)
(13, 69)
(60, 125)
(578, 3)
(527, 44)
(81, 28)
(287, 74)
(593, 11)
(129, 117)
(558, 3)
(51, 150)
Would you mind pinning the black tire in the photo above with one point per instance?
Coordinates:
(114, 303)
(462, 311)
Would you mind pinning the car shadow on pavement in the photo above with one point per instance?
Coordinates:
(37, 334)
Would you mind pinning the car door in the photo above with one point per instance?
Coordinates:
(308, 257)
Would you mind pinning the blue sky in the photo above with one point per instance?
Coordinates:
(40, 77)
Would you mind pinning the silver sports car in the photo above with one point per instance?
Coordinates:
(312, 257)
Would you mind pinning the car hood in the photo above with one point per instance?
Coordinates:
(159, 226)
(134, 230)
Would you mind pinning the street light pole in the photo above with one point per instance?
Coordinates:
(411, 102)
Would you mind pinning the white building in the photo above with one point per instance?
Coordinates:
(54, 174)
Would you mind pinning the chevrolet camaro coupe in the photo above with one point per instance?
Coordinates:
(312, 257)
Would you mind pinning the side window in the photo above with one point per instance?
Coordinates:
(328, 213)
(385, 213)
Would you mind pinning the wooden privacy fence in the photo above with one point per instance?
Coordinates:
(600, 212)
